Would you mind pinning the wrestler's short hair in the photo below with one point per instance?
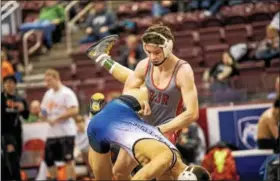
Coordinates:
(160, 29)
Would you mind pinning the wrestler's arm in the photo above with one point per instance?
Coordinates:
(136, 78)
(185, 81)
(272, 125)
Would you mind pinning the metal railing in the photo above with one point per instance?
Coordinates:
(11, 8)
(27, 51)
(69, 24)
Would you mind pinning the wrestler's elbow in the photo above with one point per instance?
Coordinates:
(191, 117)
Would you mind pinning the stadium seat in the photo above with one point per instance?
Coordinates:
(185, 39)
(210, 36)
(235, 14)
(213, 53)
(259, 29)
(193, 55)
(238, 33)
(261, 12)
(270, 77)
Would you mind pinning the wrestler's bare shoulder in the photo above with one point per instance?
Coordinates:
(267, 115)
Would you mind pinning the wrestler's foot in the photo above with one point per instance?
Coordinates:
(102, 48)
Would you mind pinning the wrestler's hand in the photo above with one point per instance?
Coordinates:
(146, 110)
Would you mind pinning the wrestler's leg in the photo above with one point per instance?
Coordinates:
(124, 166)
(99, 52)
(101, 165)
(156, 158)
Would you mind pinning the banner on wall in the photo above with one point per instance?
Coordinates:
(34, 137)
(235, 124)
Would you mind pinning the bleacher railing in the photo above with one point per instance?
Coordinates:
(27, 51)
(11, 9)
(69, 24)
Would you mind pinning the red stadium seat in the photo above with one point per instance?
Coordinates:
(193, 55)
(213, 53)
(188, 21)
(236, 14)
(270, 77)
(259, 29)
(35, 93)
(238, 33)
(210, 36)
(145, 8)
(251, 76)
(185, 39)
(261, 12)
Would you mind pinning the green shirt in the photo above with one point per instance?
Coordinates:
(31, 119)
(52, 12)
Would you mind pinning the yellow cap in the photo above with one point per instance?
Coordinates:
(98, 96)
(95, 101)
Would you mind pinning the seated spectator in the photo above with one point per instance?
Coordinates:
(274, 95)
(7, 68)
(274, 24)
(221, 72)
(131, 53)
(161, 8)
(268, 131)
(99, 24)
(34, 112)
(50, 17)
(268, 48)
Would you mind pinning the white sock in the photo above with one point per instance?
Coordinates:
(100, 58)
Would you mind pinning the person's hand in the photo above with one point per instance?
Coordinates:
(146, 110)
(19, 106)
(103, 29)
(10, 148)
(89, 30)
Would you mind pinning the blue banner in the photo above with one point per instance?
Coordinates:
(239, 127)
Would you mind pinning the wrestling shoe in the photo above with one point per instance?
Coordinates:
(101, 48)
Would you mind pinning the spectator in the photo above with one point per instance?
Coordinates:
(51, 19)
(221, 72)
(161, 8)
(13, 109)
(274, 24)
(268, 48)
(35, 110)
(99, 24)
(131, 53)
(58, 106)
(268, 131)
(275, 94)
(192, 144)
(7, 68)
(81, 141)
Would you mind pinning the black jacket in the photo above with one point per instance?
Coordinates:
(11, 127)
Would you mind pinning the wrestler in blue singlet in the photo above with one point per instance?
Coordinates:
(118, 123)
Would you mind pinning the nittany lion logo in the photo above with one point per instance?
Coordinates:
(247, 131)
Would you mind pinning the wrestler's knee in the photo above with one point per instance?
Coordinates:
(121, 171)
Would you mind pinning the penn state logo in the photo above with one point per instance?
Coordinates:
(247, 131)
